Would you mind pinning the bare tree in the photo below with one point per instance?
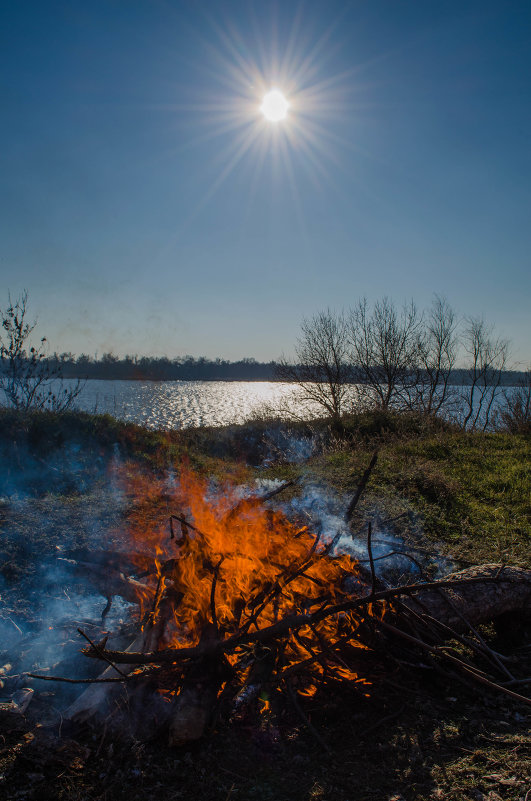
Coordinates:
(27, 378)
(516, 411)
(487, 359)
(431, 392)
(322, 368)
(385, 350)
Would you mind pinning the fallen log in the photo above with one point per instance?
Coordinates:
(193, 707)
(496, 590)
(96, 700)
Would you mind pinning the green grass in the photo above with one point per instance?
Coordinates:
(471, 491)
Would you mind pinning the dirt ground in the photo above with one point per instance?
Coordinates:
(419, 739)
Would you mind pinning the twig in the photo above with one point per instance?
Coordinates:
(292, 669)
(316, 656)
(498, 687)
(277, 491)
(394, 553)
(426, 551)
(184, 523)
(369, 549)
(515, 682)
(213, 597)
(14, 624)
(233, 785)
(257, 499)
(361, 486)
(84, 681)
(101, 652)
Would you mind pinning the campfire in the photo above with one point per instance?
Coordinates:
(243, 611)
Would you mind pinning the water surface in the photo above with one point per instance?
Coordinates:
(180, 404)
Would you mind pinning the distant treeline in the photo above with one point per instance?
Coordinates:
(161, 368)
(189, 368)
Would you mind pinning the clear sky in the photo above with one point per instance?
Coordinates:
(148, 206)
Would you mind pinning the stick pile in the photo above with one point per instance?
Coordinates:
(251, 612)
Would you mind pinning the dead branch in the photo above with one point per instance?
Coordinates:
(371, 559)
(213, 597)
(274, 492)
(85, 681)
(98, 649)
(440, 650)
(363, 483)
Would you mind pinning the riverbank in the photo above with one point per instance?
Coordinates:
(468, 492)
(418, 736)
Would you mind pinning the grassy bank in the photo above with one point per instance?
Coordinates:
(467, 492)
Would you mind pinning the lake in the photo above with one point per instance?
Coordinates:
(180, 404)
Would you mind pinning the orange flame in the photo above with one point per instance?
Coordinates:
(234, 564)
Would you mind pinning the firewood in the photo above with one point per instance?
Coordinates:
(195, 703)
(192, 712)
(244, 602)
(478, 594)
(361, 487)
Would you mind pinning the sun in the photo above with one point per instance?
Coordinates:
(274, 106)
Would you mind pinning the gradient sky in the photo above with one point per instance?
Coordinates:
(148, 208)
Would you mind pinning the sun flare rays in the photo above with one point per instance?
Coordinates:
(275, 108)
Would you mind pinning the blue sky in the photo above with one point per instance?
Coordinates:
(148, 207)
